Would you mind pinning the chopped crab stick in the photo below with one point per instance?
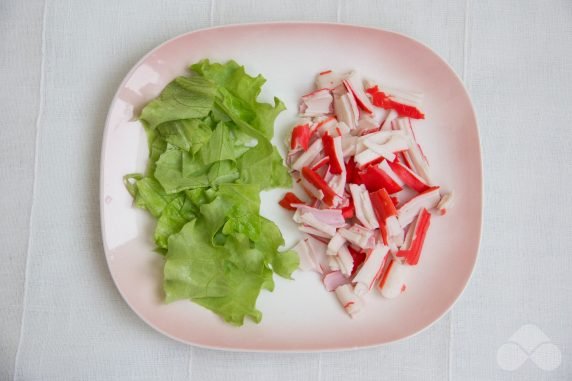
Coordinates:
(300, 137)
(338, 185)
(426, 200)
(332, 217)
(392, 283)
(370, 270)
(374, 178)
(369, 155)
(335, 244)
(381, 98)
(314, 232)
(362, 206)
(374, 151)
(356, 90)
(327, 126)
(309, 156)
(333, 149)
(387, 216)
(345, 261)
(349, 145)
(289, 199)
(391, 116)
(345, 107)
(385, 167)
(367, 125)
(328, 80)
(311, 190)
(382, 137)
(411, 250)
(359, 236)
(447, 202)
(318, 182)
(316, 103)
(320, 163)
(402, 96)
(312, 253)
(312, 221)
(348, 299)
(413, 155)
(408, 177)
(334, 279)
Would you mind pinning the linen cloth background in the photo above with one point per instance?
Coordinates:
(61, 317)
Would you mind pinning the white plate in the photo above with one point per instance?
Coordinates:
(299, 315)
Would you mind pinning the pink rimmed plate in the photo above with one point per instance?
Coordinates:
(299, 315)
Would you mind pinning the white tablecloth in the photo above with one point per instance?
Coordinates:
(61, 317)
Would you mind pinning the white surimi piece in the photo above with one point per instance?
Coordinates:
(394, 282)
(309, 156)
(370, 269)
(348, 299)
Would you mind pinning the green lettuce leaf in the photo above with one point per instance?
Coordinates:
(225, 279)
(241, 91)
(209, 157)
(169, 172)
(183, 98)
(187, 134)
(175, 215)
(219, 147)
(149, 194)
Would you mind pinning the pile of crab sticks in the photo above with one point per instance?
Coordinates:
(369, 195)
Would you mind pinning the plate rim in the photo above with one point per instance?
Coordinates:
(102, 204)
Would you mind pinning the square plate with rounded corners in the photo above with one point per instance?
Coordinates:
(299, 315)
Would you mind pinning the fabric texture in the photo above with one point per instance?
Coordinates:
(61, 317)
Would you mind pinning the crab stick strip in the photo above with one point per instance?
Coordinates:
(345, 107)
(334, 279)
(349, 145)
(367, 125)
(356, 90)
(313, 232)
(317, 103)
(387, 150)
(311, 220)
(312, 253)
(313, 178)
(333, 149)
(426, 200)
(387, 216)
(411, 250)
(300, 137)
(309, 156)
(363, 208)
(358, 235)
(387, 123)
(345, 260)
(393, 281)
(412, 98)
(385, 167)
(289, 199)
(413, 156)
(335, 244)
(311, 190)
(328, 80)
(447, 202)
(331, 217)
(370, 270)
(385, 100)
(374, 178)
(328, 125)
(348, 299)
(408, 177)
